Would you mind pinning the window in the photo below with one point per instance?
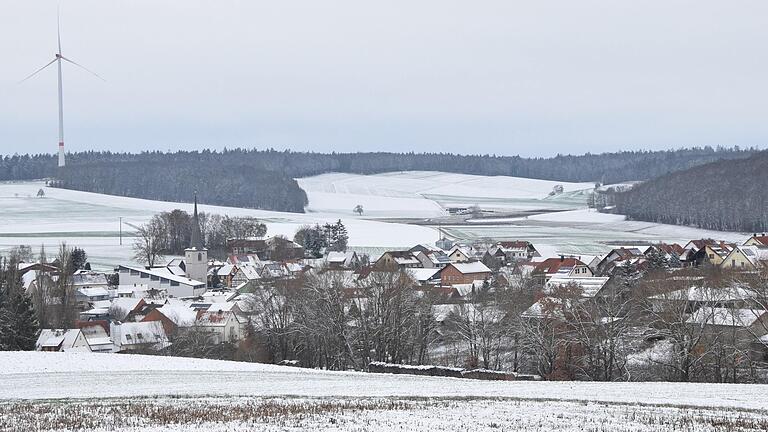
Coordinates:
(199, 256)
(174, 283)
(128, 337)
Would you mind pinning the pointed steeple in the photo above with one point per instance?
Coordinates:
(197, 237)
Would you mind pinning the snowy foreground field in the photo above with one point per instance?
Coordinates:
(68, 391)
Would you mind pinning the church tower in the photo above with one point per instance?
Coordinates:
(196, 255)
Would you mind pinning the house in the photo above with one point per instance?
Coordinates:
(460, 253)
(757, 240)
(713, 254)
(159, 279)
(172, 317)
(280, 248)
(671, 252)
(401, 259)
(515, 250)
(222, 326)
(246, 273)
(426, 276)
(97, 337)
(138, 336)
(89, 279)
(746, 327)
(65, 340)
(689, 300)
(617, 257)
(342, 260)
(86, 296)
(247, 246)
(464, 273)
(224, 274)
(433, 259)
(563, 267)
(746, 258)
(274, 270)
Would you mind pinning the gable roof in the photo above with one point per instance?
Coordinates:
(470, 267)
(554, 265)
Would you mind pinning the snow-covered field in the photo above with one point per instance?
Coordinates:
(428, 193)
(111, 391)
(91, 221)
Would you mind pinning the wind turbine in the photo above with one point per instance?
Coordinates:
(57, 59)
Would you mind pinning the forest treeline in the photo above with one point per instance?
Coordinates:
(234, 185)
(726, 195)
(264, 178)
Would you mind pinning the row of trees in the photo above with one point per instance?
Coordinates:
(318, 239)
(169, 233)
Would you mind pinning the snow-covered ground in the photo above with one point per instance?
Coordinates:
(107, 392)
(39, 375)
(428, 193)
(91, 221)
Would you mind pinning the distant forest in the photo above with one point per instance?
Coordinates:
(264, 178)
(728, 195)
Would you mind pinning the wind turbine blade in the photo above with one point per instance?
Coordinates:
(84, 68)
(58, 25)
(36, 72)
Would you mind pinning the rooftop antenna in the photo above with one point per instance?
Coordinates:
(57, 59)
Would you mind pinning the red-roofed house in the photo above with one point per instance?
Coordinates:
(562, 267)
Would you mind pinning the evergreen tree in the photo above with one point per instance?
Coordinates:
(79, 259)
(18, 322)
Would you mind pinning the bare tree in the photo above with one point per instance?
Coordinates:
(149, 245)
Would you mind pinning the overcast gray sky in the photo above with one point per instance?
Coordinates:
(508, 77)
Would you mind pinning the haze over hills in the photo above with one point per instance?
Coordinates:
(264, 179)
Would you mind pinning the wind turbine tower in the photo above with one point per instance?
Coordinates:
(57, 59)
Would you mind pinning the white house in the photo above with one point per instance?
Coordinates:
(66, 340)
(156, 278)
(131, 336)
(222, 326)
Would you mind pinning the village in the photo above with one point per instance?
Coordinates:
(695, 312)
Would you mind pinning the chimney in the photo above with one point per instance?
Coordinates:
(562, 258)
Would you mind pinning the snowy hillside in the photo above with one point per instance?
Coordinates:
(425, 193)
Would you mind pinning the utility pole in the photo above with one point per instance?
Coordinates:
(121, 231)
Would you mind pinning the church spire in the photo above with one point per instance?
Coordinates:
(197, 237)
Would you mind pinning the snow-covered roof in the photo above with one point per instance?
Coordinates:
(94, 292)
(590, 286)
(225, 270)
(180, 315)
(164, 273)
(148, 332)
(250, 271)
(708, 294)
(126, 303)
(87, 277)
(424, 274)
(471, 267)
(57, 338)
(727, 316)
